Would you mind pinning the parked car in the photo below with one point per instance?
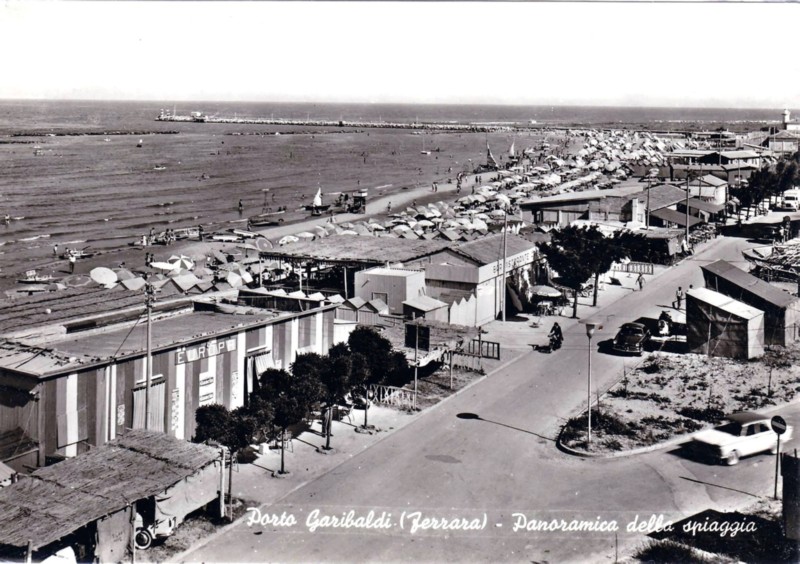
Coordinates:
(631, 338)
(742, 434)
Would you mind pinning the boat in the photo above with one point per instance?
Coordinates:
(31, 277)
(267, 219)
(140, 143)
(77, 253)
(317, 207)
(159, 167)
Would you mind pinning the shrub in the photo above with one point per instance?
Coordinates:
(670, 551)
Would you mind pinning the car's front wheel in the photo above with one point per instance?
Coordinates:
(733, 458)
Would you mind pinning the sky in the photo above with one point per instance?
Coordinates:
(642, 54)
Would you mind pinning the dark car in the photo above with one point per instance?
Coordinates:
(631, 338)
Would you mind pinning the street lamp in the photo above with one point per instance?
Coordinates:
(591, 326)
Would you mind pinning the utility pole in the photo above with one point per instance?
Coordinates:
(416, 363)
(505, 251)
(149, 296)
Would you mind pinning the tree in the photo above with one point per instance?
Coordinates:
(334, 380)
(569, 254)
(361, 376)
(386, 364)
(290, 396)
(603, 253)
(213, 424)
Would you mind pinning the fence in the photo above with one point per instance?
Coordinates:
(390, 395)
(635, 267)
(466, 361)
(485, 349)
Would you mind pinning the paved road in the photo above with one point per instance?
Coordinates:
(500, 469)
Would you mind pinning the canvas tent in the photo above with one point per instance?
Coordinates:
(781, 309)
(718, 325)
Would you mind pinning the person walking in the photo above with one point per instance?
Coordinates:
(55, 249)
(389, 207)
(72, 260)
(241, 206)
(640, 281)
(678, 298)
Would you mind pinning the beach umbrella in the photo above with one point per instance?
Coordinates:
(377, 227)
(103, 275)
(347, 232)
(287, 239)
(202, 272)
(181, 261)
(497, 213)
(56, 286)
(320, 231)
(262, 244)
(162, 265)
(123, 274)
(305, 235)
(400, 228)
(545, 291)
(177, 272)
(134, 283)
(425, 223)
(234, 279)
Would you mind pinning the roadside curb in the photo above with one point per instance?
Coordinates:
(644, 450)
(182, 556)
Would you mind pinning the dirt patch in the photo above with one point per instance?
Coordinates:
(670, 395)
(197, 527)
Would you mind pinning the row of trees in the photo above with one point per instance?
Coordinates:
(768, 182)
(579, 254)
(281, 398)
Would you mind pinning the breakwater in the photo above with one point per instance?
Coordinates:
(450, 127)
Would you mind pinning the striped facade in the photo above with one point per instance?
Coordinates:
(70, 412)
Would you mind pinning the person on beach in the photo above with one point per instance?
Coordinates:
(200, 232)
(72, 260)
(241, 206)
(7, 219)
(55, 249)
(389, 207)
(640, 281)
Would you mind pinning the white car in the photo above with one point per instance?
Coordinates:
(743, 434)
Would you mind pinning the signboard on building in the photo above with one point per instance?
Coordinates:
(205, 350)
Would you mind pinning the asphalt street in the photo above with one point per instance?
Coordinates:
(466, 480)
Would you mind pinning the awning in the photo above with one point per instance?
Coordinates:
(672, 216)
(264, 362)
(702, 205)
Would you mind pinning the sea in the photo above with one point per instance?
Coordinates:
(97, 175)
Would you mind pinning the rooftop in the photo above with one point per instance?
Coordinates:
(350, 248)
(103, 481)
(750, 283)
(725, 303)
(489, 249)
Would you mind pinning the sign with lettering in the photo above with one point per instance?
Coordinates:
(207, 390)
(204, 350)
(175, 402)
(121, 415)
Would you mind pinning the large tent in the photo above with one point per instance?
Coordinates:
(717, 325)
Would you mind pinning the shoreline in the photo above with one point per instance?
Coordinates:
(133, 256)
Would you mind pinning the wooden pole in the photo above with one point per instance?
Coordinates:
(29, 552)
(222, 482)
(133, 533)
(230, 488)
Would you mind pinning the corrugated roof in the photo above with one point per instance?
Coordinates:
(489, 249)
(710, 207)
(344, 248)
(725, 303)
(673, 216)
(662, 196)
(57, 500)
(424, 303)
(712, 180)
(750, 283)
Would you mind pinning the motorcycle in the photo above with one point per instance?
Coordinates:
(555, 342)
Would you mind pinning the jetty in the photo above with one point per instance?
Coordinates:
(197, 117)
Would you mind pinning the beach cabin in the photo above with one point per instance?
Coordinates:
(70, 381)
(781, 309)
(393, 286)
(428, 308)
(718, 325)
